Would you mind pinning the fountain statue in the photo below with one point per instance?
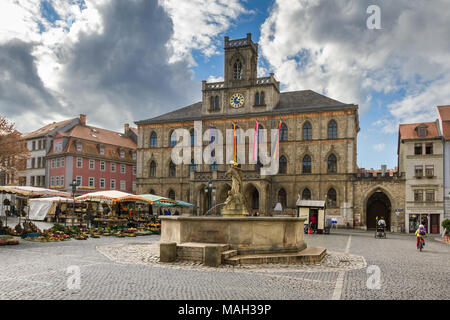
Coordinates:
(236, 204)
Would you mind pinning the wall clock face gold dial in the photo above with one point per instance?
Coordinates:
(237, 100)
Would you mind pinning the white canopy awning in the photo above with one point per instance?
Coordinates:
(311, 203)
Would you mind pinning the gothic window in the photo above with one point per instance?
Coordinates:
(153, 139)
(192, 166)
(306, 166)
(332, 164)
(216, 104)
(332, 130)
(171, 194)
(261, 98)
(192, 132)
(152, 169)
(307, 131)
(306, 194)
(282, 197)
(283, 165)
(237, 70)
(255, 199)
(331, 197)
(211, 103)
(172, 169)
(257, 98)
(173, 139)
(283, 132)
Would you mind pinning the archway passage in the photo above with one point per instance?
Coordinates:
(378, 205)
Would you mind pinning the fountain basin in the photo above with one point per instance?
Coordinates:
(247, 235)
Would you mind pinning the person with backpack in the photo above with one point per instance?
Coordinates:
(421, 233)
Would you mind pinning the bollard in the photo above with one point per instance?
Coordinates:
(167, 251)
(212, 255)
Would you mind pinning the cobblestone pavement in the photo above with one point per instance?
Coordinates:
(128, 268)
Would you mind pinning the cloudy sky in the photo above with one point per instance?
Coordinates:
(121, 61)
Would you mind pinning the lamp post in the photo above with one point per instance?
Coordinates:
(74, 186)
(209, 189)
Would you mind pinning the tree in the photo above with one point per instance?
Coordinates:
(13, 152)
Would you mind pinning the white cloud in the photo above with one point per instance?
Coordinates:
(326, 46)
(197, 23)
(379, 147)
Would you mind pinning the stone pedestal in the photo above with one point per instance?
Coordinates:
(247, 235)
(167, 251)
(212, 255)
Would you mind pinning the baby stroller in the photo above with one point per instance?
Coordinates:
(380, 232)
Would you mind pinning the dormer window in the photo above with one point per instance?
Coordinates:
(422, 131)
(79, 146)
(133, 155)
(102, 150)
(237, 70)
(122, 153)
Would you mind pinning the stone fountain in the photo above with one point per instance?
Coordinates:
(234, 237)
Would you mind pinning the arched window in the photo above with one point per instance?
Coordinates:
(152, 191)
(172, 169)
(152, 169)
(257, 99)
(282, 198)
(192, 166)
(193, 137)
(331, 197)
(255, 199)
(173, 139)
(153, 139)
(171, 194)
(306, 194)
(261, 98)
(332, 130)
(211, 103)
(237, 70)
(216, 104)
(283, 132)
(306, 165)
(307, 131)
(332, 164)
(283, 165)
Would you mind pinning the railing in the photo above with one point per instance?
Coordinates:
(265, 80)
(237, 43)
(215, 85)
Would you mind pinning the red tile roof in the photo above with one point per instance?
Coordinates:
(444, 112)
(408, 131)
(46, 129)
(101, 136)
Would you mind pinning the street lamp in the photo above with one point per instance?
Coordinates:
(209, 189)
(74, 186)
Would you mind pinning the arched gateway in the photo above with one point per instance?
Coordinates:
(378, 205)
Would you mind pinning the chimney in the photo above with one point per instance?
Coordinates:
(126, 128)
(83, 119)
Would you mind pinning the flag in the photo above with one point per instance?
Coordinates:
(234, 141)
(276, 147)
(255, 142)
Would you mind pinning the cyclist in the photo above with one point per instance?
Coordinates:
(421, 233)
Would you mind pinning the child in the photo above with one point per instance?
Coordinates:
(421, 233)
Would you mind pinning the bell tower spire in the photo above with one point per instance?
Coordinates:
(241, 61)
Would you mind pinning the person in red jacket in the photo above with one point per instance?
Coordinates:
(314, 223)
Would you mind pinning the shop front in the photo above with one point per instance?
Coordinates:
(431, 221)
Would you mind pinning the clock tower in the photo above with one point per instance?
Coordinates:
(241, 91)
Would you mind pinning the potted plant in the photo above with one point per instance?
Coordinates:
(446, 226)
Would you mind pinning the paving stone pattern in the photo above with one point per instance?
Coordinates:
(129, 268)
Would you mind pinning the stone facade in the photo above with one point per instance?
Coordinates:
(295, 110)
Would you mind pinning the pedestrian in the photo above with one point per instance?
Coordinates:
(176, 213)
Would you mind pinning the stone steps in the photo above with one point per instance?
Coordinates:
(308, 255)
(228, 254)
(194, 250)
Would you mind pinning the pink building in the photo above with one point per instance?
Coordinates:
(98, 159)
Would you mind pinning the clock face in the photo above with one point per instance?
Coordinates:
(237, 100)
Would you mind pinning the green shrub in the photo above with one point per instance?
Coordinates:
(446, 225)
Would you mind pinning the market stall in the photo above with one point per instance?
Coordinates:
(42, 208)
